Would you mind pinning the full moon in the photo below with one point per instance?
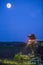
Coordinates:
(8, 5)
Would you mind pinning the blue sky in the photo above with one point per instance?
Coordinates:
(23, 18)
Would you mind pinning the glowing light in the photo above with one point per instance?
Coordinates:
(8, 5)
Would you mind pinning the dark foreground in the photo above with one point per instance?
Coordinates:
(9, 49)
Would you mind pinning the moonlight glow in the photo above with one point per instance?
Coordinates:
(8, 5)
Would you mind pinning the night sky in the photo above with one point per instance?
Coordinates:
(23, 18)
